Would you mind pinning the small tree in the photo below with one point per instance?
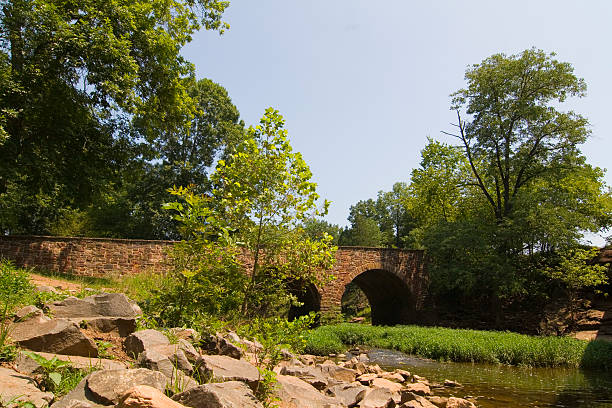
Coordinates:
(263, 192)
(576, 271)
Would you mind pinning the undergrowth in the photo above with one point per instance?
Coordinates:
(465, 345)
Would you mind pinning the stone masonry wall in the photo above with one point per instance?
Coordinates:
(85, 256)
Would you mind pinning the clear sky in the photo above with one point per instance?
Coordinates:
(362, 84)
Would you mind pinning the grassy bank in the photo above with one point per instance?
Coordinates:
(465, 345)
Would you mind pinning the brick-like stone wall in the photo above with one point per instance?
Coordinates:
(394, 280)
(86, 256)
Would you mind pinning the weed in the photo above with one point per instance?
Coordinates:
(103, 349)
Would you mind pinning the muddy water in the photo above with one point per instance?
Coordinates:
(513, 387)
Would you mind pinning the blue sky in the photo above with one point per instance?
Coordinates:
(362, 84)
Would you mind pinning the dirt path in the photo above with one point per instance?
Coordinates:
(39, 280)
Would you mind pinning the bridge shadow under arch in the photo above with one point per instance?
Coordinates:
(309, 297)
(391, 300)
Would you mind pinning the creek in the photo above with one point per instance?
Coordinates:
(506, 386)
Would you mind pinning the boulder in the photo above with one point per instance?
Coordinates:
(143, 396)
(107, 386)
(418, 388)
(165, 357)
(377, 398)
(104, 304)
(418, 402)
(452, 384)
(14, 385)
(338, 373)
(389, 385)
(141, 340)
(123, 326)
(27, 312)
(59, 336)
(46, 289)
(224, 368)
(79, 397)
(312, 375)
(231, 394)
(26, 365)
(217, 345)
(439, 402)
(459, 403)
(189, 335)
(365, 379)
(299, 394)
(251, 346)
(347, 394)
(397, 377)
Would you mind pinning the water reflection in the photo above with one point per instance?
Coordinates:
(504, 386)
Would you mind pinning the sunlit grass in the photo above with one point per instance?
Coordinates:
(465, 345)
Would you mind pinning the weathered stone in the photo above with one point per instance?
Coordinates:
(21, 388)
(189, 335)
(224, 368)
(418, 388)
(312, 375)
(417, 402)
(123, 326)
(78, 396)
(389, 385)
(452, 384)
(338, 373)
(80, 404)
(231, 394)
(347, 394)
(26, 365)
(377, 398)
(59, 336)
(218, 345)
(299, 394)
(366, 379)
(190, 351)
(397, 377)
(141, 340)
(143, 396)
(46, 289)
(28, 312)
(459, 403)
(104, 304)
(375, 369)
(406, 374)
(154, 360)
(251, 346)
(307, 359)
(108, 386)
(439, 402)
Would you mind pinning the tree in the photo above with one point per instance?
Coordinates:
(263, 191)
(395, 220)
(364, 232)
(79, 83)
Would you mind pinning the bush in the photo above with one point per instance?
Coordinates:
(15, 290)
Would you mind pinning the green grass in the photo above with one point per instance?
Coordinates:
(465, 345)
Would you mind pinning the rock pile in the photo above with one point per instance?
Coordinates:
(211, 372)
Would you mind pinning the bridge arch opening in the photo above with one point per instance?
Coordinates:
(390, 299)
(308, 296)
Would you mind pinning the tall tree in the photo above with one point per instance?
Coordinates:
(77, 79)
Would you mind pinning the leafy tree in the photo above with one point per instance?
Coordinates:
(316, 229)
(79, 82)
(263, 192)
(395, 220)
(363, 232)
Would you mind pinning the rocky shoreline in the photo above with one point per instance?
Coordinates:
(177, 368)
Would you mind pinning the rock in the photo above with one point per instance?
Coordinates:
(190, 351)
(418, 378)
(365, 379)
(217, 345)
(27, 312)
(307, 359)
(231, 394)
(176, 356)
(104, 304)
(154, 360)
(406, 374)
(390, 385)
(452, 384)
(22, 388)
(143, 396)
(363, 358)
(378, 398)
(123, 326)
(375, 369)
(338, 373)
(397, 377)
(459, 403)
(59, 336)
(418, 388)
(347, 394)
(312, 375)
(417, 402)
(439, 402)
(299, 394)
(46, 289)
(26, 365)
(79, 397)
(141, 340)
(224, 368)
(190, 335)
(251, 346)
(107, 386)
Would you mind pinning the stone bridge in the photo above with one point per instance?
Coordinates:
(393, 280)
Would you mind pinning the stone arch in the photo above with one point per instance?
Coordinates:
(309, 296)
(391, 300)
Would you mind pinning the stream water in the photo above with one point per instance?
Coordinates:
(504, 386)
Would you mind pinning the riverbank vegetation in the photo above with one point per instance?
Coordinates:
(464, 345)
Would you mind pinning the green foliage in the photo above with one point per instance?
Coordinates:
(464, 345)
(58, 376)
(15, 290)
